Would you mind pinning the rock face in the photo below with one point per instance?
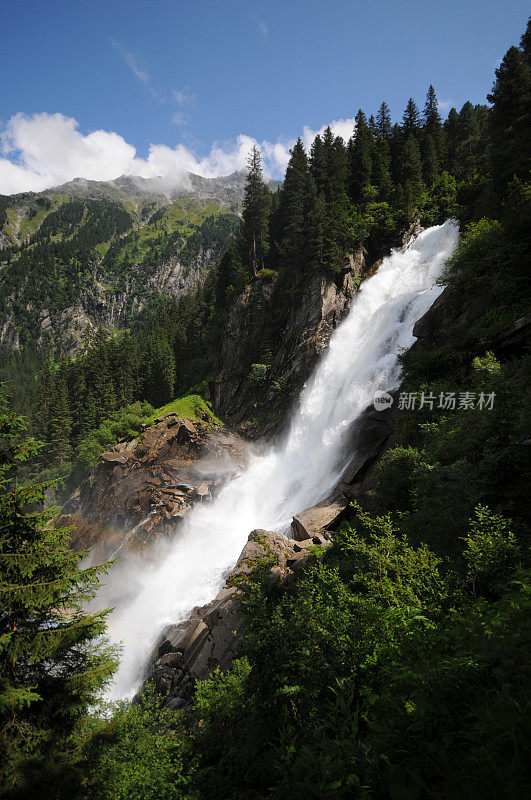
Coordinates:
(259, 408)
(142, 489)
(305, 334)
(312, 521)
(188, 227)
(213, 635)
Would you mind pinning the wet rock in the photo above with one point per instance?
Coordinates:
(309, 523)
(213, 636)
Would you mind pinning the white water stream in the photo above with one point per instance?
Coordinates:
(304, 467)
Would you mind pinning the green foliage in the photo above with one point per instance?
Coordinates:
(125, 423)
(141, 753)
(192, 407)
(258, 373)
(491, 553)
(53, 661)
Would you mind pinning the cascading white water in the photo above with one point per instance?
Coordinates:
(286, 479)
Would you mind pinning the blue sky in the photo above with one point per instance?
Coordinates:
(184, 74)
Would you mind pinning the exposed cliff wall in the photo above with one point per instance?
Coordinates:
(257, 403)
(142, 489)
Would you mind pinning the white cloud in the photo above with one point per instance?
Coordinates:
(261, 26)
(45, 150)
(183, 97)
(340, 127)
(180, 118)
(130, 60)
(444, 105)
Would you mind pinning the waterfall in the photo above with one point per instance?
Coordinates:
(304, 467)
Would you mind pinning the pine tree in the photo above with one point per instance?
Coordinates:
(432, 118)
(525, 43)
(410, 120)
(433, 125)
(430, 160)
(451, 129)
(254, 228)
(411, 173)
(328, 164)
(360, 152)
(59, 448)
(51, 670)
(296, 200)
(383, 122)
(510, 122)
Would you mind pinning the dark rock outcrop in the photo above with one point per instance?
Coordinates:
(213, 636)
(259, 408)
(309, 523)
(142, 489)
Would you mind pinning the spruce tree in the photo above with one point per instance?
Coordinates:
(360, 155)
(451, 130)
(328, 162)
(430, 160)
(411, 174)
(468, 148)
(510, 121)
(383, 122)
(296, 200)
(254, 228)
(432, 118)
(51, 669)
(381, 175)
(410, 120)
(432, 123)
(59, 448)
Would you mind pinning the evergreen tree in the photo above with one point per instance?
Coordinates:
(328, 163)
(432, 118)
(430, 160)
(360, 152)
(410, 120)
(383, 122)
(395, 148)
(525, 43)
(411, 174)
(381, 175)
(433, 125)
(51, 670)
(59, 427)
(318, 164)
(295, 204)
(471, 145)
(254, 228)
(510, 128)
(451, 130)
(411, 170)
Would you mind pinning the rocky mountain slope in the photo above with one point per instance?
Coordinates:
(89, 254)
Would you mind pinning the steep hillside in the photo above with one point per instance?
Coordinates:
(90, 254)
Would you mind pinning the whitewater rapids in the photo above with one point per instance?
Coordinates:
(301, 470)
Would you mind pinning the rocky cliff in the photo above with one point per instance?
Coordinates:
(257, 401)
(141, 490)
